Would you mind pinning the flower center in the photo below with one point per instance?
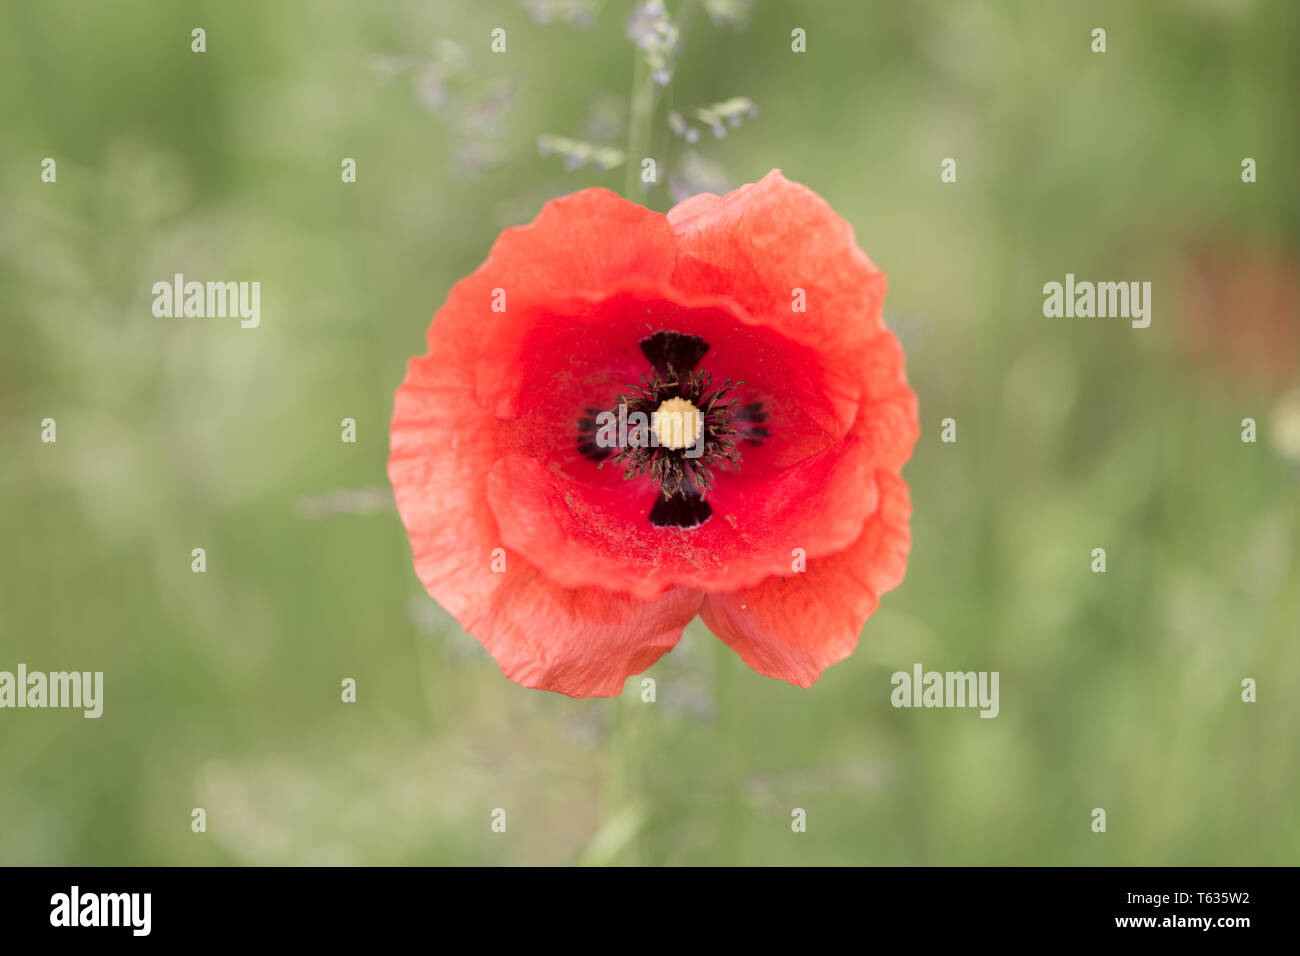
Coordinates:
(695, 427)
(677, 423)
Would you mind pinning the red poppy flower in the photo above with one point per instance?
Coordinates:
(576, 552)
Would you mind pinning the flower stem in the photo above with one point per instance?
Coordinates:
(641, 112)
(727, 763)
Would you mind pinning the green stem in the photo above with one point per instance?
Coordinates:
(638, 124)
(726, 765)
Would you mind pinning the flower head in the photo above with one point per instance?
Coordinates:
(625, 419)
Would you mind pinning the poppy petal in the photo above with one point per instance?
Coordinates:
(770, 238)
(583, 642)
(794, 627)
(792, 263)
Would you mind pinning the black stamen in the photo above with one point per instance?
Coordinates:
(588, 447)
(673, 353)
(748, 423)
(680, 510)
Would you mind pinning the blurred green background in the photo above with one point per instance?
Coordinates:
(1118, 690)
